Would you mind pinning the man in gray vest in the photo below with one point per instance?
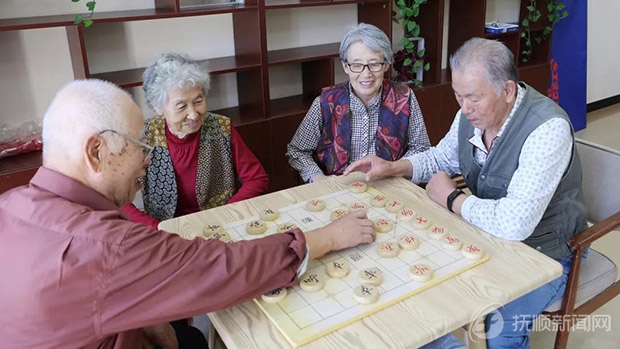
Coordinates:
(515, 149)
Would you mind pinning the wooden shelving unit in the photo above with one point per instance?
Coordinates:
(267, 124)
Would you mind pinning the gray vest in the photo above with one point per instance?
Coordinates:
(566, 214)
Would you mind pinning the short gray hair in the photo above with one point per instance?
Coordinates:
(173, 71)
(371, 36)
(493, 57)
(79, 110)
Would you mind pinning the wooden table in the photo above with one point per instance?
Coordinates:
(513, 270)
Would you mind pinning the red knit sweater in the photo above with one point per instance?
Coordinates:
(184, 156)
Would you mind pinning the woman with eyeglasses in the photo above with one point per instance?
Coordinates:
(366, 115)
(199, 160)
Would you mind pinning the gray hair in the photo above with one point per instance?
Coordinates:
(371, 36)
(79, 110)
(173, 71)
(493, 57)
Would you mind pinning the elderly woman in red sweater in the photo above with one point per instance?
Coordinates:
(199, 160)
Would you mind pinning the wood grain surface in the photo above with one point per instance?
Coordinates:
(512, 270)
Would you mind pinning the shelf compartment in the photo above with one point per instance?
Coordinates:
(117, 16)
(241, 115)
(303, 54)
(222, 65)
(290, 106)
(277, 4)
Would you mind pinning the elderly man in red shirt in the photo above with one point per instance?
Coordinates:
(78, 274)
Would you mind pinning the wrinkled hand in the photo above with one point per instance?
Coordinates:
(374, 167)
(351, 230)
(439, 187)
(162, 334)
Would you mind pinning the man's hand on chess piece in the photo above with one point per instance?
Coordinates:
(351, 230)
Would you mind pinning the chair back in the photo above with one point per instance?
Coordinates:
(601, 179)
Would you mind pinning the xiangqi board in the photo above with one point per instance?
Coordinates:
(426, 254)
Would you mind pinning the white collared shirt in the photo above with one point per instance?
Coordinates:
(543, 160)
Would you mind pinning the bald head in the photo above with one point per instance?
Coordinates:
(79, 110)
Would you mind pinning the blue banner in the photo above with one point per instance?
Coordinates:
(568, 79)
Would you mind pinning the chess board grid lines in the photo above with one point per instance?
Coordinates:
(297, 340)
(334, 200)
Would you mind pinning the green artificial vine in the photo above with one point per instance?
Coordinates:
(86, 20)
(556, 12)
(410, 58)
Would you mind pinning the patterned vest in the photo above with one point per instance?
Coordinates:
(215, 182)
(392, 130)
(566, 214)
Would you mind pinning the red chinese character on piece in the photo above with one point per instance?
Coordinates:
(407, 212)
(437, 230)
(387, 247)
(472, 248)
(314, 202)
(452, 239)
(394, 203)
(382, 222)
(379, 198)
(421, 270)
(421, 220)
(409, 239)
(357, 184)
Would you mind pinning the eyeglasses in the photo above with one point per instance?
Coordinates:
(374, 67)
(147, 149)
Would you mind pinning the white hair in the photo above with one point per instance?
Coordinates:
(79, 110)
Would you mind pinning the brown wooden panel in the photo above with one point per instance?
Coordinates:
(429, 101)
(540, 52)
(170, 5)
(251, 43)
(378, 14)
(117, 16)
(448, 108)
(257, 136)
(466, 21)
(511, 40)
(431, 29)
(289, 106)
(536, 76)
(251, 95)
(18, 170)
(10, 181)
(315, 76)
(77, 51)
(221, 65)
(282, 132)
(303, 54)
(278, 4)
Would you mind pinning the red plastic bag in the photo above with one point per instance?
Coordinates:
(23, 139)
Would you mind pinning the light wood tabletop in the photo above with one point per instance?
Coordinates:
(512, 270)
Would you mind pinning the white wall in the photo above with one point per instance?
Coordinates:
(34, 64)
(603, 50)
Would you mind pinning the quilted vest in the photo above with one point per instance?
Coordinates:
(566, 214)
(215, 182)
(392, 130)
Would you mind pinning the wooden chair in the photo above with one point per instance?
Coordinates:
(591, 283)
